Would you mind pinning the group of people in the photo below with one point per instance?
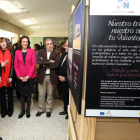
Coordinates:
(51, 68)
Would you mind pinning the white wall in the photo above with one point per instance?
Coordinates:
(6, 34)
(48, 34)
(4, 25)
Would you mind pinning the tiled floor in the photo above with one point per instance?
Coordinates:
(35, 128)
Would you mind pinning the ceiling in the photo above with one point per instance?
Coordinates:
(50, 15)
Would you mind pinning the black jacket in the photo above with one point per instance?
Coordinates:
(0, 70)
(63, 67)
(12, 66)
(42, 47)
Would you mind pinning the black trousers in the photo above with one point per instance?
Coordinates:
(17, 91)
(4, 109)
(65, 94)
(14, 81)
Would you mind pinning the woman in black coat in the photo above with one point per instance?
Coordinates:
(7, 68)
(63, 79)
(0, 73)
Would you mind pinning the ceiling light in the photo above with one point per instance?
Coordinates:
(28, 21)
(9, 7)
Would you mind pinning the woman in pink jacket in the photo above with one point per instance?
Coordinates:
(25, 63)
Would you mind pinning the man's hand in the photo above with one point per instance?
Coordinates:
(41, 58)
(52, 61)
(3, 64)
(62, 79)
(0, 79)
(10, 80)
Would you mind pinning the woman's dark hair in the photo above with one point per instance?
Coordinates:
(62, 43)
(37, 46)
(16, 44)
(1, 40)
(20, 41)
(60, 49)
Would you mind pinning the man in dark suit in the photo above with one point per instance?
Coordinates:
(63, 80)
(41, 46)
(47, 77)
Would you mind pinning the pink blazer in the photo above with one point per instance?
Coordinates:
(28, 68)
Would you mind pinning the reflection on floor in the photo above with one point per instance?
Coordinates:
(35, 128)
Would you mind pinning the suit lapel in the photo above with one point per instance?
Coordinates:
(45, 54)
(51, 54)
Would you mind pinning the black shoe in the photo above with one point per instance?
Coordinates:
(63, 113)
(28, 113)
(21, 114)
(3, 115)
(66, 117)
(10, 114)
(48, 114)
(39, 114)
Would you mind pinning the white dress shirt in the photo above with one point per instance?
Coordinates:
(48, 57)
